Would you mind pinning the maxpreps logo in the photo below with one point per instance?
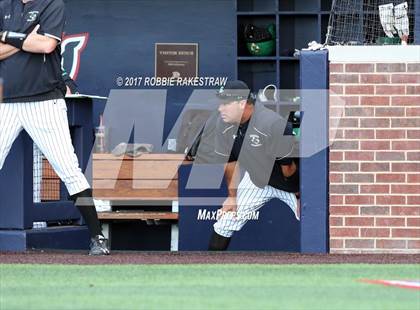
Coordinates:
(72, 47)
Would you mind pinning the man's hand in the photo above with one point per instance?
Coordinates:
(288, 170)
(229, 205)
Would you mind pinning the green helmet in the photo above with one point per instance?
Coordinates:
(260, 41)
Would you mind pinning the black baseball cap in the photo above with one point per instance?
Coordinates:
(234, 91)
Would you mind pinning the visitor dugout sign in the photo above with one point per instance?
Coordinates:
(176, 60)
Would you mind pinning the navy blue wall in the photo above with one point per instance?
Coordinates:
(122, 37)
(417, 23)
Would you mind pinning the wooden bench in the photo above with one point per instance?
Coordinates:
(137, 215)
(150, 179)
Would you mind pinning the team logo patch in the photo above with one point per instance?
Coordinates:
(72, 47)
(7, 16)
(31, 16)
(255, 140)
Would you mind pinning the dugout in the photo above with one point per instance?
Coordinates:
(112, 39)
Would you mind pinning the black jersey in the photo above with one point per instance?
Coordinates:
(260, 146)
(30, 76)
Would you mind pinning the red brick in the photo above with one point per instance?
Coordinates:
(390, 134)
(375, 78)
(389, 90)
(341, 101)
(409, 210)
(358, 200)
(344, 232)
(374, 189)
(413, 156)
(413, 200)
(374, 210)
(405, 79)
(414, 178)
(359, 178)
(374, 145)
(413, 221)
(348, 122)
(344, 189)
(405, 189)
(390, 244)
(375, 100)
(336, 67)
(381, 112)
(374, 167)
(413, 134)
(413, 244)
(414, 67)
(390, 67)
(360, 111)
(390, 200)
(336, 221)
(405, 167)
(375, 232)
(365, 156)
(360, 68)
(390, 178)
(360, 90)
(351, 100)
(375, 123)
(390, 221)
(405, 122)
(336, 89)
(413, 89)
(359, 243)
(411, 112)
(336, 199)
(336, 156)
(336, 243)
(344, 78)
(406, 145)
(406, 232)
(359, 221)
(344, 145)
(405, 100)
(336, 134)
(337, 111)
(336, 167)
(390, 156)
(344, 210)
(336, 178)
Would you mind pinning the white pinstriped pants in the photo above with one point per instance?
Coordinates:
(250, 199)
(46, 123)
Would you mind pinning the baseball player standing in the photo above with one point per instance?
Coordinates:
(252, 136)
(30, 63)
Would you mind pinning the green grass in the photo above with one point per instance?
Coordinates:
(205, 287)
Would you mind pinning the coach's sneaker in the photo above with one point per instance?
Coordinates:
(99, 246)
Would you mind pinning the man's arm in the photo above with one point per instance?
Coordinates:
(232, 177)
(7, 50)
(40, 44)
(32, 43)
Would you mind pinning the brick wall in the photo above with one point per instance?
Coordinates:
(375, 157)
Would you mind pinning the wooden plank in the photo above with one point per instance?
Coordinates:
(126, 170)
(151, 156)
(124, 190)
(136, 215)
